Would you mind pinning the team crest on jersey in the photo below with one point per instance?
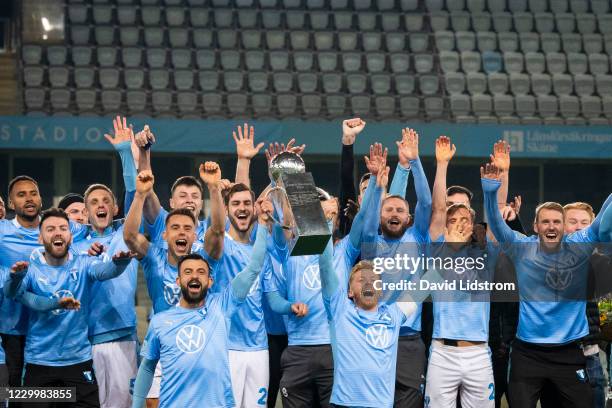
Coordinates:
(311, 278)
(58, 295)
(88, 376)
(559, 279)
(190, 339)
(74, 274)
(379, 336)
(172, 293)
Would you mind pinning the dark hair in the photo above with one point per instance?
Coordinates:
(94, 187)
(70, 199)
(459, 190)
(399, 197)
(52, 212)
(187, 181)
(365, 177)
(180, 211)
(195, 257)
(237, 188)
(451, 210)
(17, 180)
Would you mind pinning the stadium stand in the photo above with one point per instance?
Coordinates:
(480, 61)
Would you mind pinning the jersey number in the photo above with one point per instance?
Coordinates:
(492, 388)
(264, 395)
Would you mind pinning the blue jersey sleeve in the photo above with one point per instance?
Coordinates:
(151, 346)
(422, 213)
(399, 184)
(501, 231)
(242, 283)
(157, 228)
(78, 231)
(605, 229)
(143, 382)
(107, 269)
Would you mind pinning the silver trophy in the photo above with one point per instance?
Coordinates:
(297, 205)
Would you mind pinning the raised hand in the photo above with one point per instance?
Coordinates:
(123, 132)
(69, 303)
(210, 173)
(383, 177)
(501, 155)
(516, 204)
(444, 149)
(299, 309)
(377, 160)
(276, 148)
(19, 266)
(144, 182)
(459, 232)
(350, 129)
(245, 142)
(351, 209)
(264, 210)
(145, 138)
(408, 147)
(490, 171)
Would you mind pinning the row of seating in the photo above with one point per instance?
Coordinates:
(251, 60)
(404, 5)
(520, 84)
(234, 81)
(502, 106)
(557, 6)
(531, 62)
(245, 18)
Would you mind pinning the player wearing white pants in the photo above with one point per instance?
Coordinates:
(115, 366)
(250, 377)
(467, 370)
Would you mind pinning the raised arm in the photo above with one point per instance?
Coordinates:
(350, 129)
(399, 184)
(246, 150)
(605, 229)
(134, 240)
(210, 174)
(123, 142)
(329, 279)
(102, 270)
(444, 153)
(368, 217)
(144, 140)
(409, 147)
(490, 176)
(501, 159)
(242, 283)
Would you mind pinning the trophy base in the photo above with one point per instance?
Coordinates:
(310, 245)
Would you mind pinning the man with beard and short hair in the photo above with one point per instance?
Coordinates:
(55, 271)
(18, 238)
(74, 207)
(159, 260)
(191, 341)
(398, 238)
(228, 253)
(546, 351)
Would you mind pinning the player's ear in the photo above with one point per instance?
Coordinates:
(40, 240)
(164, 235)
(115, 210)
(10, 204)
(171, 203)
(535, 227)
(86, 214)
(211, 281)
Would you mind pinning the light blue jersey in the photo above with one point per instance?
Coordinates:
(276, 324)
(544, 276)
(112, 303)
(159, 226)
(192, 345)
(59, 337)
(16, 244)
(462, 314)
(161, 278)
(248, 329)
(303, 283)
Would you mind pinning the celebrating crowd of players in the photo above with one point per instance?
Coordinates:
(236, 319)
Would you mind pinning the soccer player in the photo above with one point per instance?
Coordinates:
(350, 129)
(112, 318)
(191, 340)
(18, 238)
(57, 350)
(159, 260)
(547, 345)
(228, 253)
(74, 207)
(397, 236)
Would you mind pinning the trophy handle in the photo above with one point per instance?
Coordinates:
(286, 209)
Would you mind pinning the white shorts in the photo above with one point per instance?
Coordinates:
(115, 366)
(467, 370)
(156, 384)
(250, 377)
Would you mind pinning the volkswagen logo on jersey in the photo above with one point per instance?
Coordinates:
(172, 293)
(378, 336)
(311, 278)
(190, 339)
(559, 279)
(58, 295)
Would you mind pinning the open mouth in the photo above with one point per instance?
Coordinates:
(30, 207)
(367, 293)
(181, 244)
(394, 222)
(101, 214)
(194, 285)
(551, 235)
(242, 216)
(190, 207)
(58, 243)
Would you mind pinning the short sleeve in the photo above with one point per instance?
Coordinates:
(150, 346)
(159, 225)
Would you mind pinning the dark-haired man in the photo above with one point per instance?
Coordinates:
(191, 340)
(57, 350)
(159, 259)
(74, 206)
